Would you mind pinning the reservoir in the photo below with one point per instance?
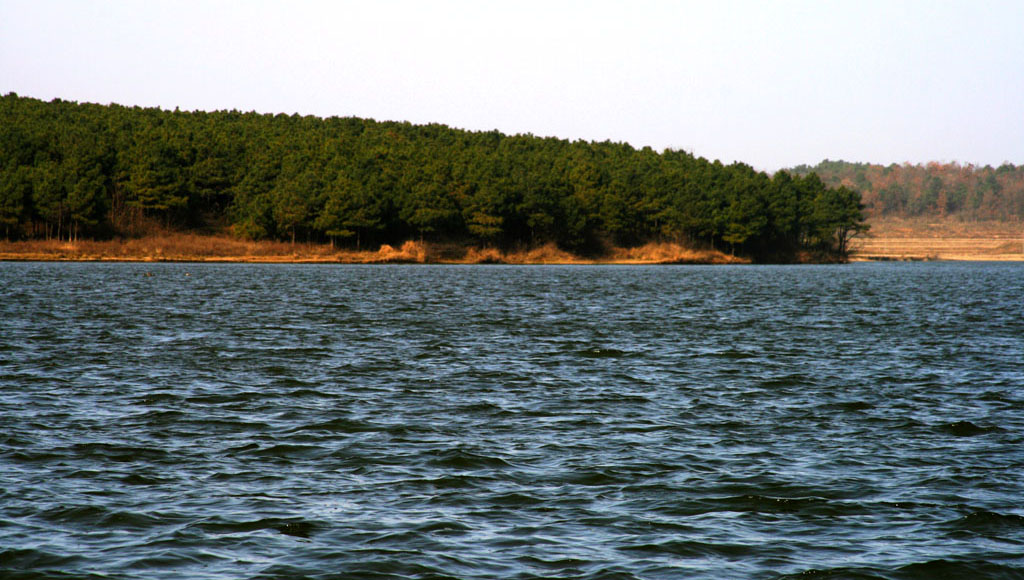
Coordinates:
(164, 420)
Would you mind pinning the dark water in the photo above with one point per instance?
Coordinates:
(276, 421)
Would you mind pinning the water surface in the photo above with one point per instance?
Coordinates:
(238, 420)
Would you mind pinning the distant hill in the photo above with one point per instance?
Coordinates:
(77, 171)
(965, 192)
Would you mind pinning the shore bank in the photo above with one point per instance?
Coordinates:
(931, 239)
(198, 248)
(888, 240)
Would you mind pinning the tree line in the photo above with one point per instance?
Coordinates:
(69, 170)
(966, 192)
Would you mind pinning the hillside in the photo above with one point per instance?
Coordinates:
(78, 171)
(934, 191)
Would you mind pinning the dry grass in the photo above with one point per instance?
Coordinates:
(485, 256)
(546, 254)
(409, 253)
(166, 247)
(895, 239)
(671, 253)
(652, 253)
(178, 247)
(888, 240)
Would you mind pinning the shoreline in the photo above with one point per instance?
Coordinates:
(577, 261)
(888, 241)
(191, 248)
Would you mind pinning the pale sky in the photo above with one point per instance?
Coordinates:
(772, 83)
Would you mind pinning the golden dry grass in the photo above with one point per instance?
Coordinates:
(672, 253)
(164, 247)
(183, 247)
(546, 254)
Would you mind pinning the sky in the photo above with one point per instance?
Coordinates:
(772, 83)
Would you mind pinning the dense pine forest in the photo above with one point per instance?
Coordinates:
(75, 170)
(952, 190)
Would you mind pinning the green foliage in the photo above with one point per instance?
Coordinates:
(157, 175)
(87, 196)
(48, 196)
(78, 169)
(15, 196)
(293, 200)
(834, 218)
(745, 216)
(349, 211)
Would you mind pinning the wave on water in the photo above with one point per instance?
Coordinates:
(427, 422)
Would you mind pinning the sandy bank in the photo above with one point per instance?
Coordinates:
(941, 240)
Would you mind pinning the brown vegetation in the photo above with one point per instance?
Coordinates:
(162, 247)
(888, 239)
(671, 253)
(936, 191)
(182, 247)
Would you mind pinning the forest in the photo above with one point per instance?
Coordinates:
(77, 170)
(949, 190)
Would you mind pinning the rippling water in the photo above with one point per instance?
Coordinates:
(226, 421)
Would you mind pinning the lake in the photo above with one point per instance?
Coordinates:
(333, 421)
